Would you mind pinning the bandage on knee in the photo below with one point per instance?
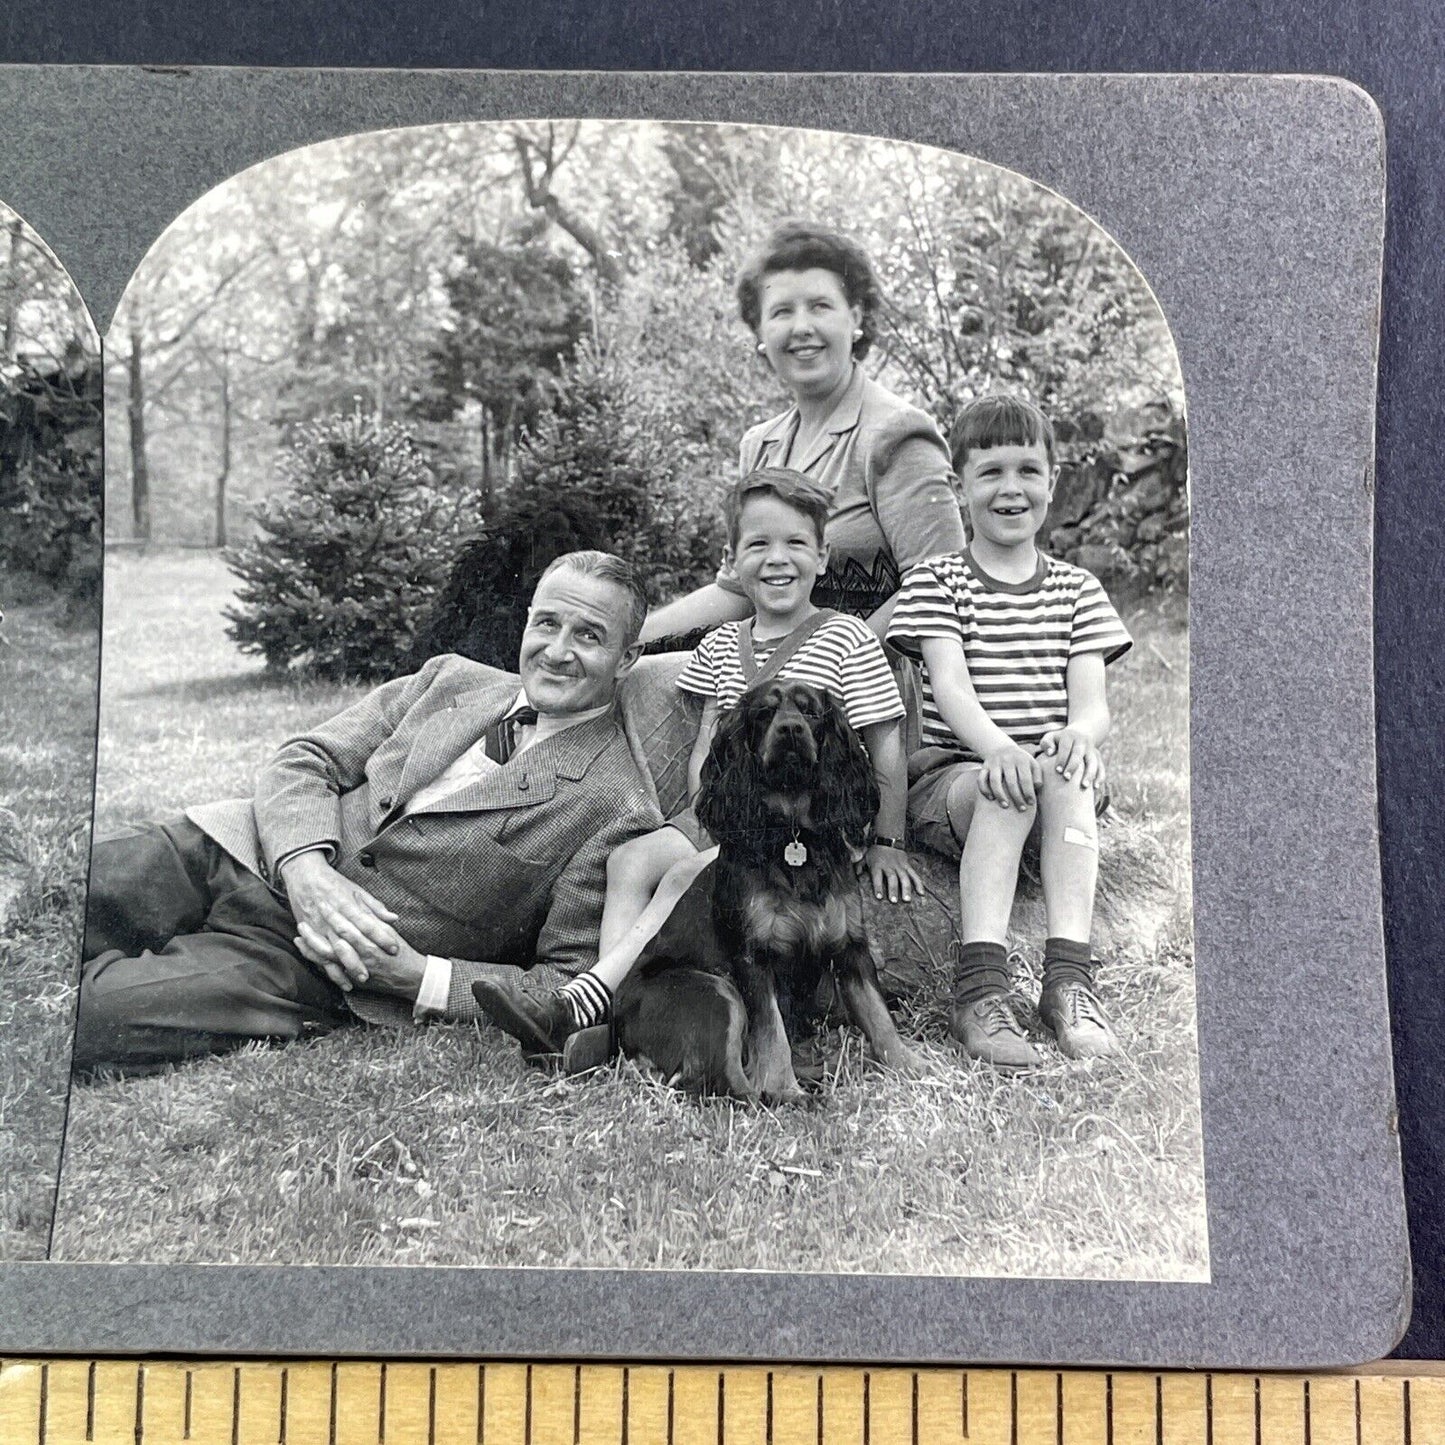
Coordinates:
(1080, 837)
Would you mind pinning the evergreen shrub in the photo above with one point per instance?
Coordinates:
(349, 554)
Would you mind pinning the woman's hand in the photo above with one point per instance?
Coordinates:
(1010, 776)
(892, 873)
(1074, 754)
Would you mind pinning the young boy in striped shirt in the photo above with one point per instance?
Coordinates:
(776, 519)
(1014, 646)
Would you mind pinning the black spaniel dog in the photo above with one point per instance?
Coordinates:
(732, 976)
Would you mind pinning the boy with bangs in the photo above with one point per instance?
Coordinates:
(775, 520)
(1014, 645)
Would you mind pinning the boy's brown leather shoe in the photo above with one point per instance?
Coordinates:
(989, 1029)
(1077, 1020)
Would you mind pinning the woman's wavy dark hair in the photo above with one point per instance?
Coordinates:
(802, 246)
(736, 799)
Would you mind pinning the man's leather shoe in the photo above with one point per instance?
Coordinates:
(1078, 1021)
(989, 1029)
(540, 1022)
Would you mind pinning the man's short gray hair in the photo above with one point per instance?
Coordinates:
(609, 568)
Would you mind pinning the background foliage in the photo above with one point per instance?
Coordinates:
(547, 311)
(50, 433)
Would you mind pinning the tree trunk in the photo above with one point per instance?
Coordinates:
(540, 197)
(487, 482)
(224, 474)
(140, 479)
(12, 285)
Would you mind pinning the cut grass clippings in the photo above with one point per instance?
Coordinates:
(439, 1146)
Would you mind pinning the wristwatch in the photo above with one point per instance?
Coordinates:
(888, 842)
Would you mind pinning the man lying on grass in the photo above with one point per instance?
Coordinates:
(449, 825)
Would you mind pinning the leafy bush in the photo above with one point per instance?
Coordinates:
(595, 473)
(350, 552)
(50, 479)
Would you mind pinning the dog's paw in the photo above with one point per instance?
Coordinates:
(910, 1063)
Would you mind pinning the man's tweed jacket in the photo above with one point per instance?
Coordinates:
(508, 871)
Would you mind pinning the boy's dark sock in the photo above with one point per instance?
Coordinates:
(982, 969)
(1068, 961)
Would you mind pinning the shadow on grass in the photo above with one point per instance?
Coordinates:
(221, 689)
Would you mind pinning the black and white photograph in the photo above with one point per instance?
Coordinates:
(644, 720)
(50, 579)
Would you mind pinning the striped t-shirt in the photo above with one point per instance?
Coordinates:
(1017, 638)
(843, 657)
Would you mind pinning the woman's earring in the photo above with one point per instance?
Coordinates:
(858, 334)
(761, 348)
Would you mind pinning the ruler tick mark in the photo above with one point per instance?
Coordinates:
(1258, 1432)
(1308, 1427)
(140, 1403)
(1109, 1409)
(671, 1383)
(1158, 1413)
(90, 1402)
(236, 1406)
(1013, 1407)
(1406, 1402)
(915, 1407)
(965, 1404)
(626, 1389)
(721, 1412)
(42, 1425)
(820, 1410)
(186, 1416)
(577, 1405)
(769, 1435)
(1059, 1408)
(431, 1406)
(867, 1408)
(281, 1409)
(481, 1404)
(381, 1407)
(1357, 1414)
(1209, 1411)
(331, 1425)
(527, 1416)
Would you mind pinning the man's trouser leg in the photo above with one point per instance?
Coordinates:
(188, 953)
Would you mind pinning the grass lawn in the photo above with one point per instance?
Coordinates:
(47, 758)
(440, 1147)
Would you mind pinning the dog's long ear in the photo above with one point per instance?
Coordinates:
(729, 788)
(848, 791)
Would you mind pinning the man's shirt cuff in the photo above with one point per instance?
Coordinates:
(436, 987)
(328, 849)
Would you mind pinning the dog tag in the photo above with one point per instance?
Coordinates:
(795, 854)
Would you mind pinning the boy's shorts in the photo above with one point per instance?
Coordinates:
(931, 772)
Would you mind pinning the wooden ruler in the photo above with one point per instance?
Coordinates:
(131, 1402)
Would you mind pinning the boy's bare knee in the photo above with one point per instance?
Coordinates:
(1067, 810)
(963, 795)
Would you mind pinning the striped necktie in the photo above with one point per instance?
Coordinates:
(501, 737)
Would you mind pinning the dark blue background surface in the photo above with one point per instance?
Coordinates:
(1395, 49)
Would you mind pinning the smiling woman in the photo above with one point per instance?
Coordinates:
(811, 297)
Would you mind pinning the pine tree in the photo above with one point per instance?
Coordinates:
(349, 554)
(592, 475)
